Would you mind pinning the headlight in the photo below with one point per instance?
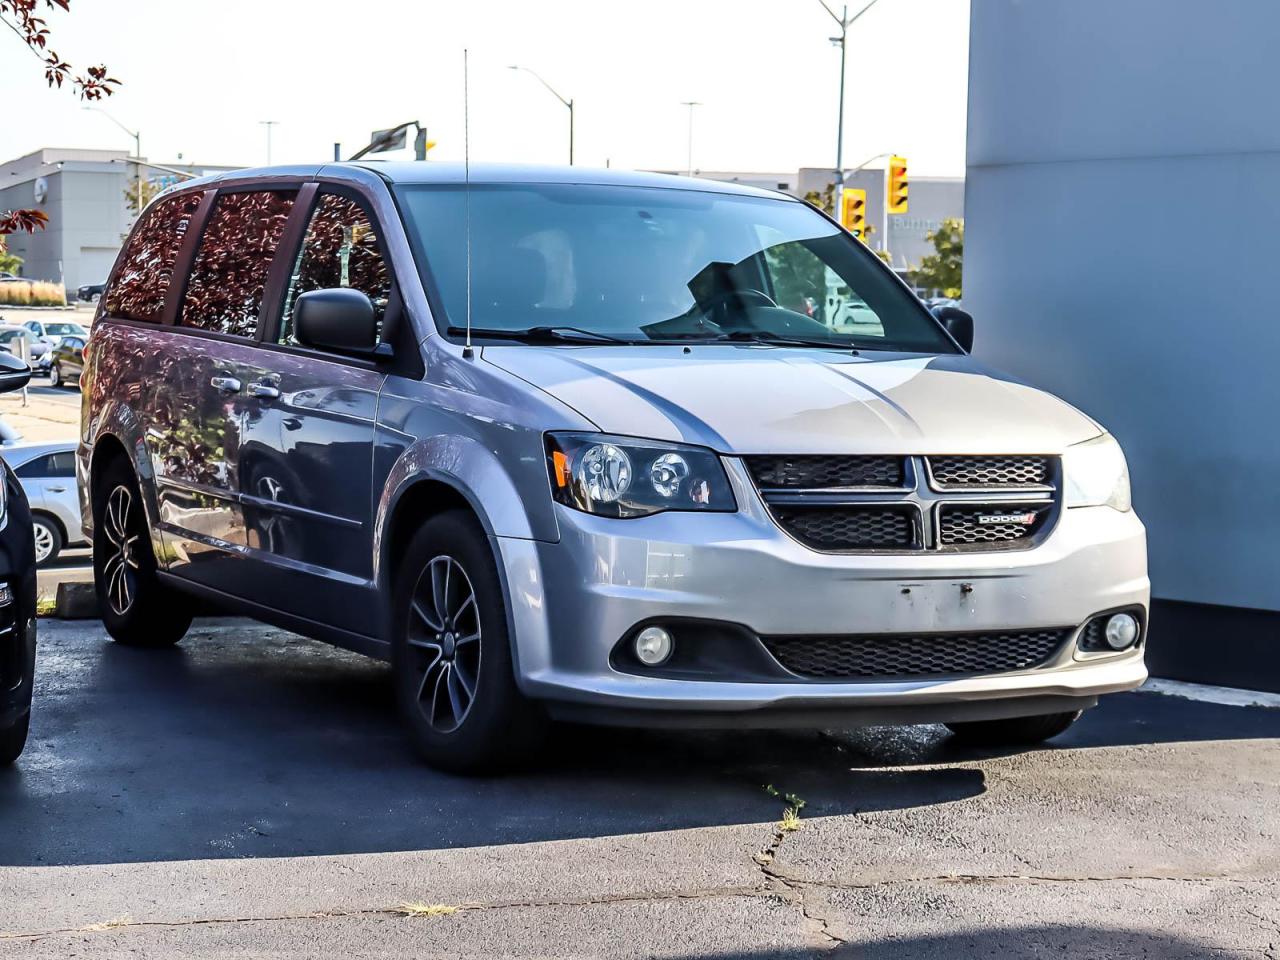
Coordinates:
(622, 477)
(1096, 474)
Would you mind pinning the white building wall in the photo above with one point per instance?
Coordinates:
(1121, 250)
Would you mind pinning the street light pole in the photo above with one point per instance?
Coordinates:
(691, 104)
(137, 151)
(568, 103)
(845, 21)
(268, 124)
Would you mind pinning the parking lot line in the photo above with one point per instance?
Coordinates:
(1226, 696)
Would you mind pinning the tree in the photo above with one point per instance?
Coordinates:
(942, 270)
(20, 16)
(9, 262)
(150, 190)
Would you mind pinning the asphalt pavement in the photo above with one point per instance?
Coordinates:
(249, 793)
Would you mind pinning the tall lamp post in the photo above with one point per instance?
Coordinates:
(845, 22)
(691, 104)
(268, 124)
(137, 150)
(568, 103)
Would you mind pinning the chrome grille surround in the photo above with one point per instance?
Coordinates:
(989, 503)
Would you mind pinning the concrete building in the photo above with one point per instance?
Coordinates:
(84, 194)
(1120, 248)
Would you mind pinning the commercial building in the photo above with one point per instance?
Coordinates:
(1120, 250)
(85, 193)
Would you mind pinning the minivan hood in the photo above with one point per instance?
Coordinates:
(745, 398)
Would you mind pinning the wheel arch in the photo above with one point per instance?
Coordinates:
(109, 445)
(53, 520)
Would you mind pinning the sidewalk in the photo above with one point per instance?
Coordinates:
(49, 414)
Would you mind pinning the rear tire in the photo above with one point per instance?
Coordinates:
(48, 540)
(14, 739)
(451, 652)
(55, 376)
(1013, 731)
(137, 609)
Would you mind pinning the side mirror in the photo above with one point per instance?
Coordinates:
(338, 319)
(14, 373)
(958, 323)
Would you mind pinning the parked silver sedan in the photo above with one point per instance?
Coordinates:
(47, 472)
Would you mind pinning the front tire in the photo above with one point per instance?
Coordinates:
(13, 740)
(1013, 731)
(137, 609)
(451, 652)
(48, 540)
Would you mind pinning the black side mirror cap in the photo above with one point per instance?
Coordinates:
(958, 323)
(14, 373)
(338, 319)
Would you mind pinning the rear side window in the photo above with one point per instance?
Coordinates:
(53, 465)
(146, 267)
(340, 249)
(229, 274)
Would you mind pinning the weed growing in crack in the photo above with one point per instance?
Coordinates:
(790, 821)
(416, 908)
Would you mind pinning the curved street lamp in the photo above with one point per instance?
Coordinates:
(567, 103)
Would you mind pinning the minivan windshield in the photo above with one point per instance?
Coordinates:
(625, 264)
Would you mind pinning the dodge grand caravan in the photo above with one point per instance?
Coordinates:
(602, 446)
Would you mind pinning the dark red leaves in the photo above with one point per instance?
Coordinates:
(20, 17)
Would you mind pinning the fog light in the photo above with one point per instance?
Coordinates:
(1121, 631)
(653, 646)
(6, 595)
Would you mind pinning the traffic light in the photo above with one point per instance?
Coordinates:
(897, 198)
(854, 215)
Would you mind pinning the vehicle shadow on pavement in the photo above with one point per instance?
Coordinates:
(1062, 941)
(250, 742)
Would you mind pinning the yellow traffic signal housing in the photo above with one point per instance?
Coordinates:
(854, 215)
(897, 197)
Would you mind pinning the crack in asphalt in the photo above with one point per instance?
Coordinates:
(777, 885)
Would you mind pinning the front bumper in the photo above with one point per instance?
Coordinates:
(573, 600)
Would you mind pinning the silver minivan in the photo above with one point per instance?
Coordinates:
(602, 446)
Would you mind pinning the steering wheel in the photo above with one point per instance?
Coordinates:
(720, 301)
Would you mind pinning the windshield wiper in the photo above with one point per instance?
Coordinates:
(767, 337)
(540, 335)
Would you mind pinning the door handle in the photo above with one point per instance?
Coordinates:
(265, 390)
(57, 489)
(225, 384)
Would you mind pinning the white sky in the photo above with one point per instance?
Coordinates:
(200, 75)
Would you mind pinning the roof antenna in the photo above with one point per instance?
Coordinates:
(467, 352)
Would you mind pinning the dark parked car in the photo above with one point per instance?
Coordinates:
(67, 361)
(90, 292)
(17, 594)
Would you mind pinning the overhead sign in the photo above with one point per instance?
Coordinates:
(395, 139)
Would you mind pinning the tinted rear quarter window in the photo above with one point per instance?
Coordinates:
(146, 267)
(51, 465)
(229, 275)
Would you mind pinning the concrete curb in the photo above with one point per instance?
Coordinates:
(76, 601)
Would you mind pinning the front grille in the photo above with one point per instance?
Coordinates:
(993, 525)
(877, 657)
(990, 471)
(815, 472)
(854, 503)
(851, 527)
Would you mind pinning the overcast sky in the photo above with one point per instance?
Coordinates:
(199, 76)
